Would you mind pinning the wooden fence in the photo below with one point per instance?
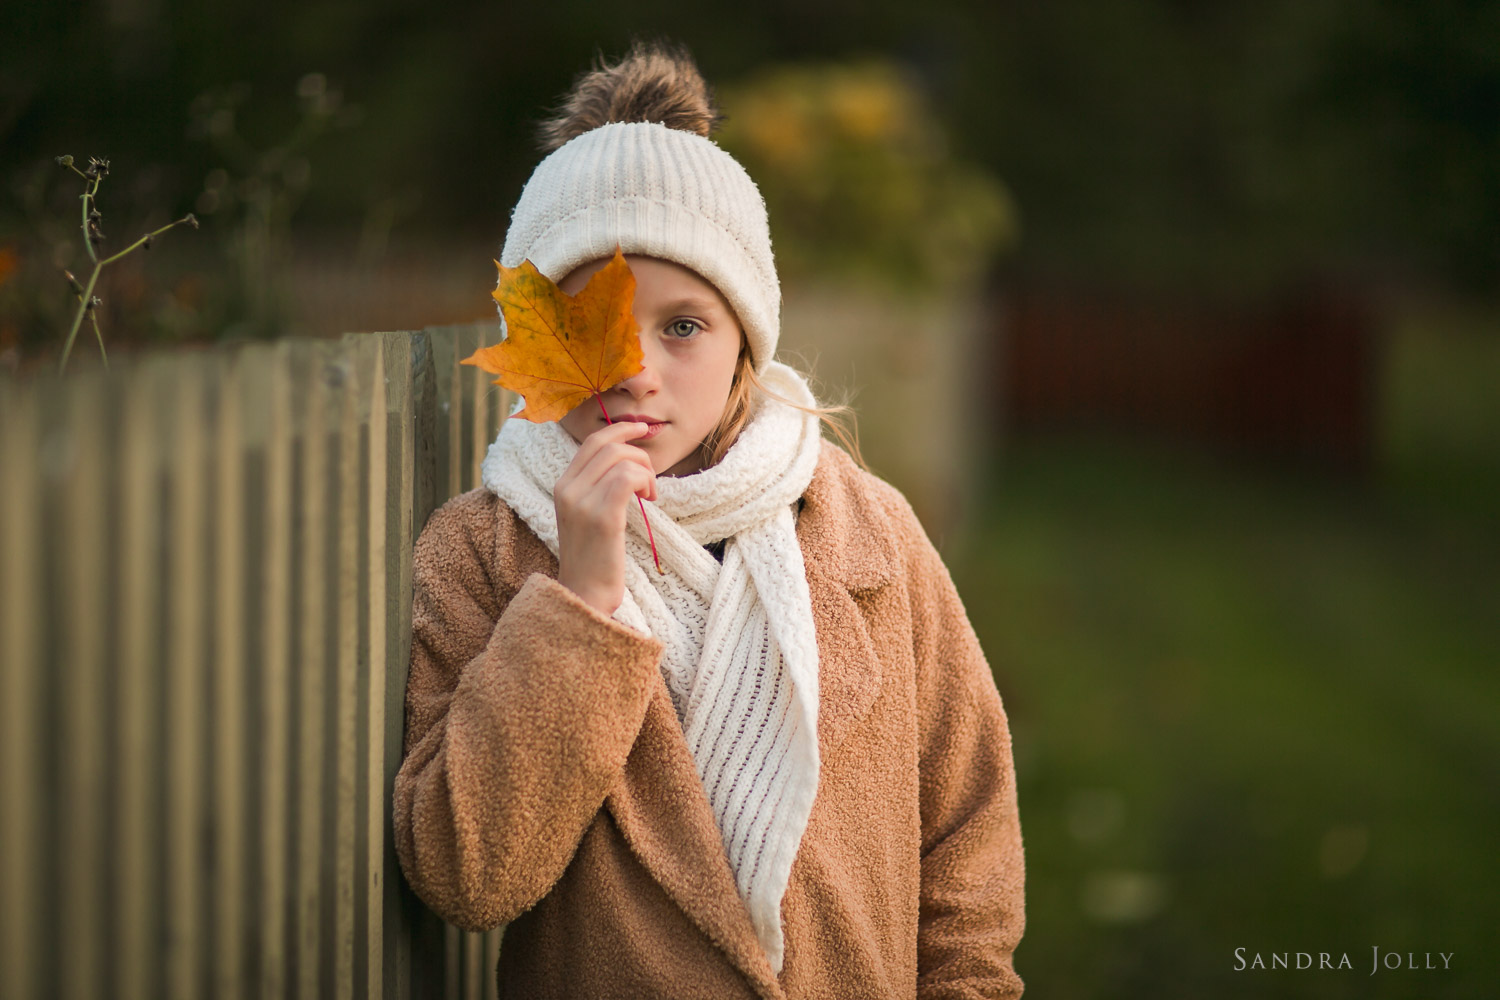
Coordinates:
(205, 593)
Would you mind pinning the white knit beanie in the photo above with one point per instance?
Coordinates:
(659, 192)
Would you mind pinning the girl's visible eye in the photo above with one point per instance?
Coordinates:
(682, 329)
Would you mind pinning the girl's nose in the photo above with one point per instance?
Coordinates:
(642, 383)
(646, 380)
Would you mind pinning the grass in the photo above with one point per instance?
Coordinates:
(1251, 710)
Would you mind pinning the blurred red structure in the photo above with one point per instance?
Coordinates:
(1292, 380)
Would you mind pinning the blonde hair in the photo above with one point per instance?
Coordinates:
(839, 418)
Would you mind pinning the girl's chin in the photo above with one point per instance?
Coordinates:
(681, 465)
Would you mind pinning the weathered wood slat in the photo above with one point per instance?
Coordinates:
(371, 355)
(186, 678)
(452, 376)
(473, 973)
(346, 514)
(477, 394)
(138, 740)
(311, 674)
(22, 797)
(445, 382)
(78, 616)
(470, 409)
(275, 675)
(231, 774)
(453, 966)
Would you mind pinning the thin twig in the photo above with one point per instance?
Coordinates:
(87, 297)
(84, 305)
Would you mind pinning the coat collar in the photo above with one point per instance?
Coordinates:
(844, 533)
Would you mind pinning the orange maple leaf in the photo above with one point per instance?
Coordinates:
(560, 349)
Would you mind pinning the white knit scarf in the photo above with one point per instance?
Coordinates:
(741, 657)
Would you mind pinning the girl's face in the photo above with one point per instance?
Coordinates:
(690, 340)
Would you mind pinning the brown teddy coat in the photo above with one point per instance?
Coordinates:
(547, 784)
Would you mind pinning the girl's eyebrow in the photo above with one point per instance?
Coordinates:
(691, 304)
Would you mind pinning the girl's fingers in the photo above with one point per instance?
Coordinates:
(593, 476)
(624, 430)
(616, 482)
(589, 467)
(591, 499)
(591, 446)
(627, 480)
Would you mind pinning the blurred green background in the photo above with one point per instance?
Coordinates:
(1214, 290)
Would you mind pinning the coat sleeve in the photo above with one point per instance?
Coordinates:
(519, 717)
(971, 913)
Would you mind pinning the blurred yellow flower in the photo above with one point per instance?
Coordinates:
(856, 171)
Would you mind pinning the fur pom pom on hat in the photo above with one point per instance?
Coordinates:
(660, 192)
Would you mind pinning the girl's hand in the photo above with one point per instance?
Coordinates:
(591, 498)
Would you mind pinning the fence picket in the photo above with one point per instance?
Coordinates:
(228, 663)
(21, 793)
(186, 532)
(346, 513)
(372, 660)
(78, 478)
(310, 692)
(138, 907)
(275, 695)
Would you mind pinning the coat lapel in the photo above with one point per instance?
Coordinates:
(846, 544)
(664, 814)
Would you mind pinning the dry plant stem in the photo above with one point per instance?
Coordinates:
(649, 535)
(85, 300)
(85, 305)
(99, 336)
(91, 189)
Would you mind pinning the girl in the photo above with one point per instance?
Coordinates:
(780, 768)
